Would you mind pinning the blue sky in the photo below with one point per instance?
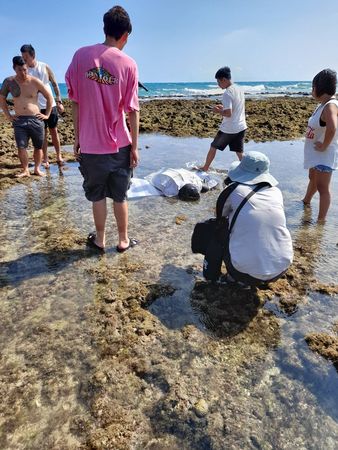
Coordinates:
(183, 40)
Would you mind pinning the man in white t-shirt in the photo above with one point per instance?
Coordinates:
(233, 126)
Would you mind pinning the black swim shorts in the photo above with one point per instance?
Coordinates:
(52, 120)
(28, 127)
(106, 175)
(235, 141)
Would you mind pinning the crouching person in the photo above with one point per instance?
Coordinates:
(257, 246)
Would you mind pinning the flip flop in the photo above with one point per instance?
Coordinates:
(132, 243)
(91, 242)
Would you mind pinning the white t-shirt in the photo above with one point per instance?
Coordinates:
(260, 243)
(40, 71)
(314, 133)
(170, 181)
(233, 98)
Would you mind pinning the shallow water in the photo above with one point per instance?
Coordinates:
(264, 387)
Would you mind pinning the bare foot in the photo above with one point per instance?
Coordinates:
(25, 173)
(45, 165)
(38, 173)
(306, 204)
(60, 162)
(203, 169)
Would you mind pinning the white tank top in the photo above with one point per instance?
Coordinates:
(40, 71)
(314, 133)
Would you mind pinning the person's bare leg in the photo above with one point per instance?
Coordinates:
(37, 155)
(56, 142)
(100, 217)
(121, 216)
(323, 186)
(209, 159)
(311, 188)
(239, 155)
(23, 157)
(45, 161)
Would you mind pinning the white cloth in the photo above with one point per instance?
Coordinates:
(314, 133)
(142, 188)
(170, 181)
(260, 243)
(233, 98)
(40, 71)
(207, 180)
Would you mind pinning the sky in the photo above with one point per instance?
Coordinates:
(183, 40)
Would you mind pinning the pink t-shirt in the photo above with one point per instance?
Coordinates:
(104, 82)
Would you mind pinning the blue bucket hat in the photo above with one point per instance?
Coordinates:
(253, 169)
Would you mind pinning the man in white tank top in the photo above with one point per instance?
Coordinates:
(44, 73)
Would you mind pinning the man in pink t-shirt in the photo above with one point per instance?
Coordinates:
(102, 83)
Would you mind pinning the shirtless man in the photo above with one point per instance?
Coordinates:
(27, 120)
(45, 74)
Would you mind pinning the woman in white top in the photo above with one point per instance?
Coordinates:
(321, 141)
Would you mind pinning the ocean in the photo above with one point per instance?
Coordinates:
(253, 89)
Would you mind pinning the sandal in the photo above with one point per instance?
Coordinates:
(132, 243)
(91, 243)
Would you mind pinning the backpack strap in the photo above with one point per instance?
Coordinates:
(223, 197)
(255, 189)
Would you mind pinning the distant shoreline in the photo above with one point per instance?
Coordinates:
(210, 89)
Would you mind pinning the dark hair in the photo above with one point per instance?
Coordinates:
(189, 192)
(18, 61)
(116, 22)
(223, 72)
(325, 82)
(28, 48)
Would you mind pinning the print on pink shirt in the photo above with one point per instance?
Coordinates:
(101, 75)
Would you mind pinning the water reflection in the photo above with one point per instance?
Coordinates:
(224, 310)
(262, 383)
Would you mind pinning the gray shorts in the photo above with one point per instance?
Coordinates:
(26, 127)
(106, 175)
(235, 141)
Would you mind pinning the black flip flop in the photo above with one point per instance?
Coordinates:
(91, 242)
(132, 243)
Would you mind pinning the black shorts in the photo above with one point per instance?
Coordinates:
(235, 141)
(106, 175)
(28, 127)
(52, 120)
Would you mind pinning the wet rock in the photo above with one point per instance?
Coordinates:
(268, 119)
(180, 219)
(201, 408)
(324, 344)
